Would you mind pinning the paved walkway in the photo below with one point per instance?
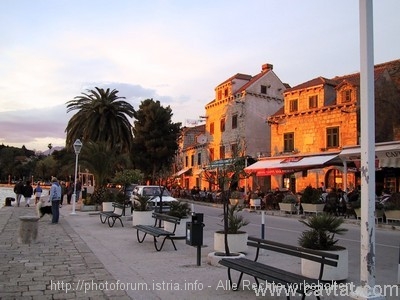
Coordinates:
(80, 258)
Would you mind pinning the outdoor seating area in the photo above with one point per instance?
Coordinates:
(260, 271)
(112, 216)
(157, 230)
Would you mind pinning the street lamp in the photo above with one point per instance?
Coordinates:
(77, 148)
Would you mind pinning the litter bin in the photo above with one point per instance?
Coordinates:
(194, 230)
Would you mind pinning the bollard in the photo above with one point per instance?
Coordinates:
(9, 200)
(28, 229)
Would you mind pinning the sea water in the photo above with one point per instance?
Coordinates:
(9, 192)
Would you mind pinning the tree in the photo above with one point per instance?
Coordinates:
(101, 117)
(155, 138)
(102, 162)
(226, 177)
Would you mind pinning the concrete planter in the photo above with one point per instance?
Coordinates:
(313, 208)
(142, 218)
(88, 207)
(256, 203)
(180, 231)
(213, 258)
(107, 206)
(240, 202)
(237, 242)
(287, 207)
(341, 272)
(378, 214)
(392, 215)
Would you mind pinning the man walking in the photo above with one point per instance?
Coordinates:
(55, 197)
(19, 190)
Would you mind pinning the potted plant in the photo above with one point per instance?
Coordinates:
(142, 213)
(108, 201)
(236, 197)
(321, 236)
(311, 200)
(288, 203)
(392, 208)
(178, 209)
(237, 239)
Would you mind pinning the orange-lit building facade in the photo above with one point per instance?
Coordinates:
(321, 116)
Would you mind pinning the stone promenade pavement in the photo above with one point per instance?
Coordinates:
(80, 258)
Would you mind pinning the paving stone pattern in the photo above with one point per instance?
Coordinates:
(32, 271)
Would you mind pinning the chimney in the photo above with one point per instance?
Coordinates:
(266, 67)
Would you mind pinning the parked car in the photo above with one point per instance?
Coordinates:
(153, 192)
(129, 190)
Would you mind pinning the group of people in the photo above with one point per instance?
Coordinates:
(56, 194)
(24, 190)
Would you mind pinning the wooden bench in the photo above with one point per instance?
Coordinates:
(274, 275)
(112, 216)
(157, 231)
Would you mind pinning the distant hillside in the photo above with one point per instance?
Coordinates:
(48, 151)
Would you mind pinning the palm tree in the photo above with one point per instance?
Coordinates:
(102, 117)
(102, 162)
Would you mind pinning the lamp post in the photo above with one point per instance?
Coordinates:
(77, 148)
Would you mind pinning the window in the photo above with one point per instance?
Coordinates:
(219, 95)
(288, 142)
(222, 152)
(293, 105)
(186, 161)
(226, 93)
(313, 101)
(212, 128)
(234, 150)
(192, 160)
(234, 121)
(211, 154)
(222, 125)
(199, 159)
(346, 96)
(263, 89)
(332, 137)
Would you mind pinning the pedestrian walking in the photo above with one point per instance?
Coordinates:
(38, 192)
(28, 192)
(55, 198)
(19, 190)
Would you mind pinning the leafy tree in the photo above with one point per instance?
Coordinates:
(155, 138)
(102, 117)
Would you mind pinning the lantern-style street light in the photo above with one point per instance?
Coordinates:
(77, 148)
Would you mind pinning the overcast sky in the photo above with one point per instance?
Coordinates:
(173, 51)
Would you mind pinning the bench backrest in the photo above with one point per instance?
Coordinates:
(166, 218)
(321, 257)
(118, 208)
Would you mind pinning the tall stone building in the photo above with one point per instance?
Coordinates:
(235, 125)
(319, 118)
